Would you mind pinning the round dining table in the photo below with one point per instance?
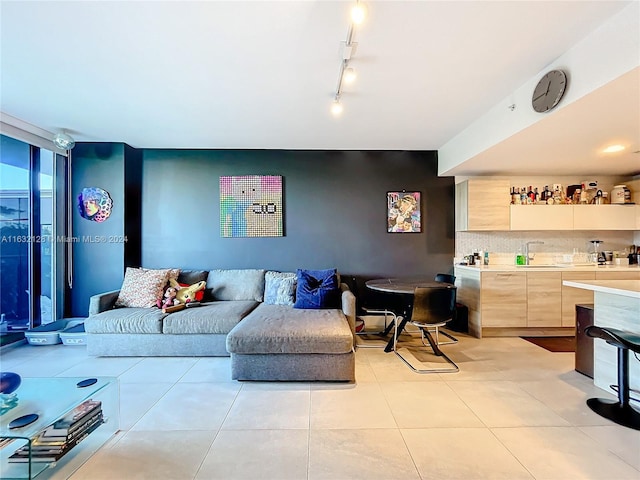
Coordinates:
(403, 286)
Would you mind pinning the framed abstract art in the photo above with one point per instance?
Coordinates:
(403, 212)
(251, 206)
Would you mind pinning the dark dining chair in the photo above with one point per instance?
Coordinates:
(446, 278)
(432, 308)
(367, 337)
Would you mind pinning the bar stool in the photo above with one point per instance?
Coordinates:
(620, 412)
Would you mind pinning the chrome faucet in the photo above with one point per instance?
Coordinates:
(527, 258)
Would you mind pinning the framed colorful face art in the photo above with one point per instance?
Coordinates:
(403, 212)
(251, 206)
(94, 204)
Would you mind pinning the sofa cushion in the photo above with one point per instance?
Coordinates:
(317, 289)
(189, 277)
(142, 287)
(279, 288)
(284, 329)
(244, 284)
(214, 317)
(126, 320)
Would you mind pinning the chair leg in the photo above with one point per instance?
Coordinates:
(436, 350)
(389, 318)
(620, 412)
(451, 337)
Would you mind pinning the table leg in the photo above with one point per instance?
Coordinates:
(389, 347)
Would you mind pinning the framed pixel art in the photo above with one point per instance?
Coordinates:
(251, 206)
(403, 212)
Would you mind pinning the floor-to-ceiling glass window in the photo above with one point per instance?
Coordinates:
(27, 259)
(47, 288)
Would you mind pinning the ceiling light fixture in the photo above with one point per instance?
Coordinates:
(347, 74)
(613, 149)
(336, 107)
(358, 13)
(64, 141)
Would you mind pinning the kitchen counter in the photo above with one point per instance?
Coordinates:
(625, 288)
(534, 300)
(549, 268)
(616, 305)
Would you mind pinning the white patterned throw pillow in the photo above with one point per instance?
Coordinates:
(279, 288)
(142, 287)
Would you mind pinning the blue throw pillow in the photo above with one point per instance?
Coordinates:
(317, 289)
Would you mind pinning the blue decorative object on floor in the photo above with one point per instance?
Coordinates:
(9, 383)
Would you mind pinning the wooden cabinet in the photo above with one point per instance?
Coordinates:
(482, 205)
(572, 296)
(541, 217)
(544, 299)
(503, 299)
(604, 217)
(514, 302)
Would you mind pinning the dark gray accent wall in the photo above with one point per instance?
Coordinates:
(100, 252)
(132, 206)
(334, 211)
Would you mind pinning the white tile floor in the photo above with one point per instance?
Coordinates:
(514, 411)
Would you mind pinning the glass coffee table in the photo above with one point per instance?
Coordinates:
(55, 400)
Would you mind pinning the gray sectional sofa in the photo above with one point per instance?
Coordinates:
(265, 341)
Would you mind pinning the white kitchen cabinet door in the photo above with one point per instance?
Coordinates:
(604, 217)
(541, 217)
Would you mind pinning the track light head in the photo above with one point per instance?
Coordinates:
(358, 13)
(336, 107)
(349, 75)
(63, 141)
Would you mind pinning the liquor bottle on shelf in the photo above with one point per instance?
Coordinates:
(576, 195)
(515, 198)
(583, 195)
(531, 196)
(523, 196)
(536, 195)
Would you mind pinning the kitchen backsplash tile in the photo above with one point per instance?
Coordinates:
(507, 244)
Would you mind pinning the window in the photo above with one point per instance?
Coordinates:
(27, 253)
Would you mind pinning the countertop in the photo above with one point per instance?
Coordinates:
(626, 288)
(549, 268)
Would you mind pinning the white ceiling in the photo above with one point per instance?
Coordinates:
(262, 75)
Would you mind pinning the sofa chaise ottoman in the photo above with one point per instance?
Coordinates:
(280, 342)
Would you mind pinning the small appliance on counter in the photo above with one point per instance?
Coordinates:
(620, 195)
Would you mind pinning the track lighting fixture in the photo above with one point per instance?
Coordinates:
(347, 74)
(358, 13)
(64, 141)
(336, 107)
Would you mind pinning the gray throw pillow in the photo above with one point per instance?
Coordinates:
(279, 288)
(189, 277)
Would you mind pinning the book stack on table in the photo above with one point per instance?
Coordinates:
(61, 436)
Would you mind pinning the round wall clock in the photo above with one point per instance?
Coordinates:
(549, 91)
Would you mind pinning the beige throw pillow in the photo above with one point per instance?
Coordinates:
(142, 287)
